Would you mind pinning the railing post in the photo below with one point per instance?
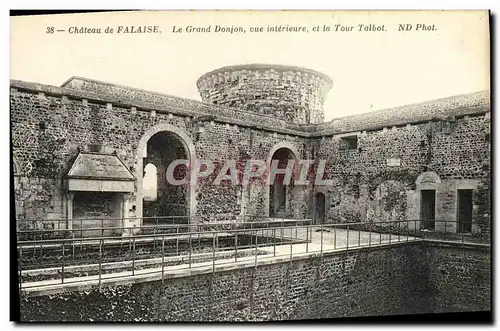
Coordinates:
(162, 258)
(334, 237)
(213, 253)
(62, 265)
(282, 228)
(133, 255)
(100, 261)
(347, 243)
(444, 229)
(407, 230)
(190, 247)
(256, 251)
(236, 246)
(20, 263)
(291, 244)
(307, 238)
(481, 238)
(177, 241)
(199, 236)
(41, 247)
(274, 241)
(359, 237)
(399, 231)
(370, 232)
(415, 230)
(154, 238)
(390, 232)
(321, 247)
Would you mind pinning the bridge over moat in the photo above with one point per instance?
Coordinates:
(53, 260)
(398, 266)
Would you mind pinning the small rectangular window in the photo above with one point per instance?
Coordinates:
(95, 148)
(350, 142)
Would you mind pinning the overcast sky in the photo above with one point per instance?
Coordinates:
(370, 70)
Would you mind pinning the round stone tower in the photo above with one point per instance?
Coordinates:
(291, 93)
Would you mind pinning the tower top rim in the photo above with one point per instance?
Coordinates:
(261, 66)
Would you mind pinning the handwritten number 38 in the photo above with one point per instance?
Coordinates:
(50, 29)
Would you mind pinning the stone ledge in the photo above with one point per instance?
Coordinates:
(458, 244)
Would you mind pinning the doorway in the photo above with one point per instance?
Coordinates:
(164, 202)
(280, 190)
(319, 211)
(464, 211)
(428, 209)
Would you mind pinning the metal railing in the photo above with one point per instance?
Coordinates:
(39, 229)
(48, 262)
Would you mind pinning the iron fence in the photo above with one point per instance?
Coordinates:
(40, 229)
(51, 261)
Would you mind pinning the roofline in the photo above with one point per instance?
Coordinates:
(300, 130)
(414, 104)
(67, 176)
(262, 66)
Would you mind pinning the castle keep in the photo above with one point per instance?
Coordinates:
(83, 151)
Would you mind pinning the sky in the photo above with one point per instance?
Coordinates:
(369, 70)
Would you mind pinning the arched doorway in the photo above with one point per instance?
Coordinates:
(319, 208)
(280, 189)
(163, 199)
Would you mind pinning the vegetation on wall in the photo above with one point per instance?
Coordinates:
(482, 199)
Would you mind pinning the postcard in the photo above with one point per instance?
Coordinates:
(250, 165)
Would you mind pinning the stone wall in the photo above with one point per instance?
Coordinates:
(374, 175)
(376, 178)
(459, 278)
(48, 131)
(401, 279)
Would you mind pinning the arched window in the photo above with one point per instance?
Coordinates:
(150, 183)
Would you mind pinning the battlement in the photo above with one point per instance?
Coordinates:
(291, 93)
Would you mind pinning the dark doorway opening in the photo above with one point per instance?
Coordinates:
(319, 211)
(464, 207)
(280, 190)
(164, 202)
(428, 209)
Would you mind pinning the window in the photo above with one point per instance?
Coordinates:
(95, 148)
(150, 183)
(349, 142)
